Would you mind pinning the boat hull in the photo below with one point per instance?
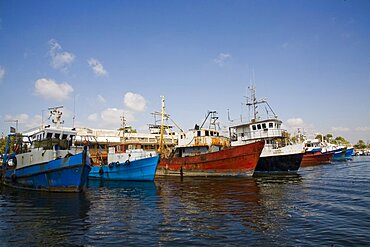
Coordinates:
(279, 164)
(136, 170)
(317, 158)
(349, 153)
(339, 154)
(234, 161)
(61, 175)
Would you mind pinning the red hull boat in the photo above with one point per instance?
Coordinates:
(317, 158)
(233, 161)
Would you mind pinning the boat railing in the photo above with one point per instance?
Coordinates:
(259, 134)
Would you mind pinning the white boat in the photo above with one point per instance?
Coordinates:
(278, 156)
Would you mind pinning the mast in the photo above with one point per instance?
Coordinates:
(162, 127)
(212, 120)
(253, 102)
(123, 128)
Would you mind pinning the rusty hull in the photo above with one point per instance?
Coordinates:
(234, 161)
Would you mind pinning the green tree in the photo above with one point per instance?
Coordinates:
(360, 145)
(2, 145)
(341, 140)
(328, 137)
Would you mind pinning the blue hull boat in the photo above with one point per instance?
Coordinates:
(135, 170)
(343, 154)
(46, 159)
(61, 175)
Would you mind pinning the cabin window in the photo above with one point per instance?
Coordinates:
(258, 126)
(198, 133)
(207, 133)
(217, 134)
(254, 127)
(49, 135)
(242, 134)
(211, 132)
(64, 136)
(57, 136)
(271, 125)
(264, 126)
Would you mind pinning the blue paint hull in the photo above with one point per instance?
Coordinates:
(339, 154)
(137, 170)
(349, 153)
(61, 175)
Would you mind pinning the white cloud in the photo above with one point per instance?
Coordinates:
(59, 59)
(295, 122)
(111, 117)
(2, 72)
(97, 67)
(340, 129)
(100, 99)
(363, 129)
(93, 117)
(222, 59)
(49, 89)
(135, 102)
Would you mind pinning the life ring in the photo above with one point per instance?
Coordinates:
(101, 172)
(127, 162)
(14, 162)
(117, 164)
(111, 165)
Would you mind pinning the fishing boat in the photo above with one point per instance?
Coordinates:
(126, 164)
(316, 158)
(314, 154)
(278, 156)
(46, 159)
(130, 165)
(341, 153)
(204, 151)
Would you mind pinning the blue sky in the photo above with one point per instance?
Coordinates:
(310, 59)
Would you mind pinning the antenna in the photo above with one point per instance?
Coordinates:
(123, 125)
(253, 102)
(16, 121)
(228, 116)
(162, 127)
(74, 111)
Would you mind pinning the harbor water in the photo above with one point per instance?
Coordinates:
(327, 205)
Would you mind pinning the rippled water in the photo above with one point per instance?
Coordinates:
(325, 205)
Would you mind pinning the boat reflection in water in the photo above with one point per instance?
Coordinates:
(147, 187)
(208, 208)
(33, 218)
(223, 209)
